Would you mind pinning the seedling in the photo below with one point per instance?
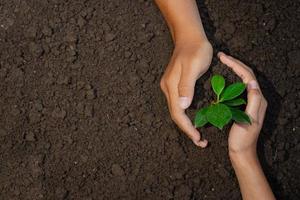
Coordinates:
(225, 108)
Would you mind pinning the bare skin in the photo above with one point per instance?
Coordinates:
(190, 60)
(242, 141)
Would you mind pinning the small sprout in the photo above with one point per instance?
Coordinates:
(240, 116)
(224, 109)
(218, 84)
(200, 119)
(232, 91)
(235, 102)
(218, 115)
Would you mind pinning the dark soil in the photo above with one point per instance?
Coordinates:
(82, 115)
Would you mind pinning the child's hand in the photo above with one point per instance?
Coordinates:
(189, 61)
(243, 137)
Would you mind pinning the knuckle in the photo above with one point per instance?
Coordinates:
(233, 148)
(209, 47)
(255, 124)
(162, 84)
(236, 148)
(167, 80)
(265, 101)
(256, 94)
(174, 116)
(259, 125)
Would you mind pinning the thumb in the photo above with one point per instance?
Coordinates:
(186, 88)
(254, 100)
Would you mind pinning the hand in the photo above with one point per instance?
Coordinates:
(188, 63)
(243, 137)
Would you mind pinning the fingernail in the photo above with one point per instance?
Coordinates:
(252, 85)
(219, 54)
(184, 102)
(201, 143)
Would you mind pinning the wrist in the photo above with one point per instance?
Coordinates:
(243, 158)
(193, 43)
(190, 38)
(188, 33)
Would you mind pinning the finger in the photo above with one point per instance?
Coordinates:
(166, 93)
(164, 89)
(254, 100)
(184, 123)
(262, 111)
(244, 72)
(177, 113)
(186, 87)
(182, 120)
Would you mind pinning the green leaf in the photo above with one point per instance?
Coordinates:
(200, 119)
(218, 84)
(218, 115)
(240, 116)
(232, 91)
(235, 102)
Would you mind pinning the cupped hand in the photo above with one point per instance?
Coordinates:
(243, 137)
(188, 63)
